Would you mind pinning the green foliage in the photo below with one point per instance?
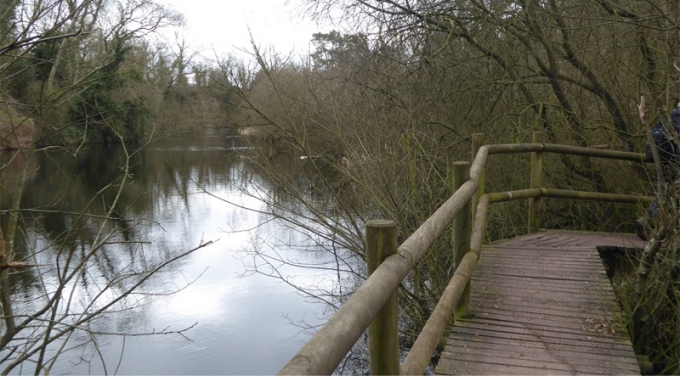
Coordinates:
(44, 55)
(23, 80)
(7, 21)
(98, 114)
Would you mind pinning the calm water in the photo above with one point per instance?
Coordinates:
(181, 192)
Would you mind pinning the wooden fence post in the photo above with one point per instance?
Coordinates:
(461, 236)
(383, 335)
(478, 140)
(536, 182)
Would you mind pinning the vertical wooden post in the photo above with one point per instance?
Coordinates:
(478, 140)
(536, 182)
(461, 236)
(383, 335)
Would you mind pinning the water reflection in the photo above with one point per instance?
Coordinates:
(242, 324)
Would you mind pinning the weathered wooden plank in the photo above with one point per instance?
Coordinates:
(486, 285)
(567, 327)
(555, 320)
(533, 311)
(526, 238)
(466, 368)
(520, 346)
(578, 276)
(545, 258)
(545, 364)
(584, 298)
(530, 280)
(549, 308)
(542, 304)
(535, 291)
(543, 337)
(560, 318)
(557, 242)
(594, 280)
(577, 354)
(585, 238)
(545, 361)
(522, 251)
(496, 297)
(556, 252)
(545, 333)
(557, 299)
(573, 273)
(514, 255)
(542, 263)
(551, 268)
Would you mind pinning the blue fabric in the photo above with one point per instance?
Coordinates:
(663, 134)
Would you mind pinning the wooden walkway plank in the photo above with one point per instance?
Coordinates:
(483, 348)
(555, 319)
(542, 304)
(547, 317)
(544, 335)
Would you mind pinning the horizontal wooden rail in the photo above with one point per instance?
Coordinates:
(565, 193)
(597, 153)
(514, 195)
(596, 196)
(566, 149)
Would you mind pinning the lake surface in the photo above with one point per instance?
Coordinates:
(180, 192)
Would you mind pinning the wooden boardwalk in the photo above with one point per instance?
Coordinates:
(542, 304)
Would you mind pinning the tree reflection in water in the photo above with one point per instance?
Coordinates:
(161, 211)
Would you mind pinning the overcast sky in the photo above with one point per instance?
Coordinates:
(223, 25)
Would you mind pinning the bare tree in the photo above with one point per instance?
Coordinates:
(386, 111)
(79, 42)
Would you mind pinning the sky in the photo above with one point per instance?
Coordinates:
(222, 27)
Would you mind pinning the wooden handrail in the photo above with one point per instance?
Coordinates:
(328, 347)
(594, 196)
(419, 356)
(564, 193)
(566, 149)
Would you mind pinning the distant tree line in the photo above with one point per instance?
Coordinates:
(87, 70)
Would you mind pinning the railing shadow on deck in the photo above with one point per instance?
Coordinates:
(374, 302)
